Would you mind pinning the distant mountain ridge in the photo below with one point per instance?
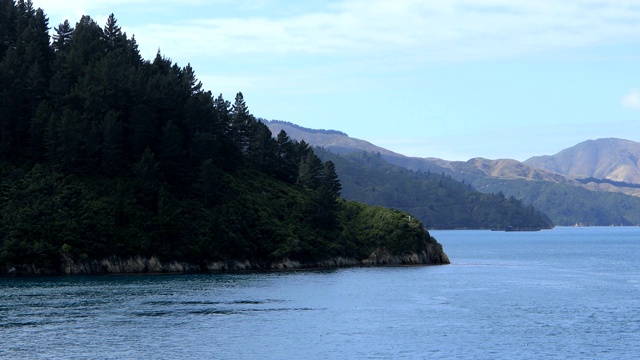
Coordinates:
(340, 143)
(332, 140)
(613, 159)
(567, 195)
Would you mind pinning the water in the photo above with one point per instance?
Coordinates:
(563, 293)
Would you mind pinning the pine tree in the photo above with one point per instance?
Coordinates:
(209, 182)
(310, 171)
(172, 154)
(242, 124)
(62, 37)
(191, 82)
(37, 130)
(285, 165)
(112, 139)
(330, 179)
(147, 177)
(69, 136)
(24, 72)
(262, 148)
(143, 130)
(113, 34)
(8, 19)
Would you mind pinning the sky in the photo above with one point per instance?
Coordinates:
(453, 79)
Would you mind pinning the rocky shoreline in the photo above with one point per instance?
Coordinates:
(140, 265)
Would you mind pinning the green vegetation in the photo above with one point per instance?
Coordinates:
(106, 155)
(439, 201)
(570, 205)
(565, 203)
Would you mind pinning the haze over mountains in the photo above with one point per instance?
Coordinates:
(596, 182)
(613, 159)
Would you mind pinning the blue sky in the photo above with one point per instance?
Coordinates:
(448, 79)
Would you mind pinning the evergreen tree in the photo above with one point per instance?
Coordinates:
(191, 82)
(62, 37)
(112, 139)
(262, 148)
(69, 136)
(8, 19)
(24, 73)
(147, 177)
(242, 124)
(37, 131)
(310, 171)
(330, 180)
(172, 154)
(286, 164)
(223, 110)
(143, 130)
(209, 182)
(113, 34)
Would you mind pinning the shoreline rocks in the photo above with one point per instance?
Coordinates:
(139, 265)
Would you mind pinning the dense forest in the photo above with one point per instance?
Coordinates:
(437, 200)
(570, 205)
(105, 155)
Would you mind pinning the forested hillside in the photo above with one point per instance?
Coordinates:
(105, 155)
(569, 205)
(439, 201)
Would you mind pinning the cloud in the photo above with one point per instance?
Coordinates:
(631, 99)
(457, 30)
(405, 30)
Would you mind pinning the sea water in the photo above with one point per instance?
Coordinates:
(555, 294)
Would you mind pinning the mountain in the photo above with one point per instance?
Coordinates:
(437, 200)
(611, 159)
(340, 143)
(565, 199)
(335, 141)
(440, 202)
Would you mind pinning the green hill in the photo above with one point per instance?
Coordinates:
(565, 200)
(439, 201)
(113, 163)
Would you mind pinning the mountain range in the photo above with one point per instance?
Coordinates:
(596, 182)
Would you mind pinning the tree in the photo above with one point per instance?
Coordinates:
(172, 154)
(62, 37)
(147, 177)
(209, 182)
(143, 130)
(286, 163)
(310, 171)
(262, 148)
(113, 34)
(8, 20)
(24, 72)
(242, 124)
(223, 110)
(330, 179)
(37, 131)
(191, 82)
(112, 154)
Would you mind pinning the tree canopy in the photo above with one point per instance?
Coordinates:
(103, 153)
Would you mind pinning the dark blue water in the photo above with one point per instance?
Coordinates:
(564, 293)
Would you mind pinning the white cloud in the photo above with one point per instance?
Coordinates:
(632, 99)
(455, 30)
(406, 30)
